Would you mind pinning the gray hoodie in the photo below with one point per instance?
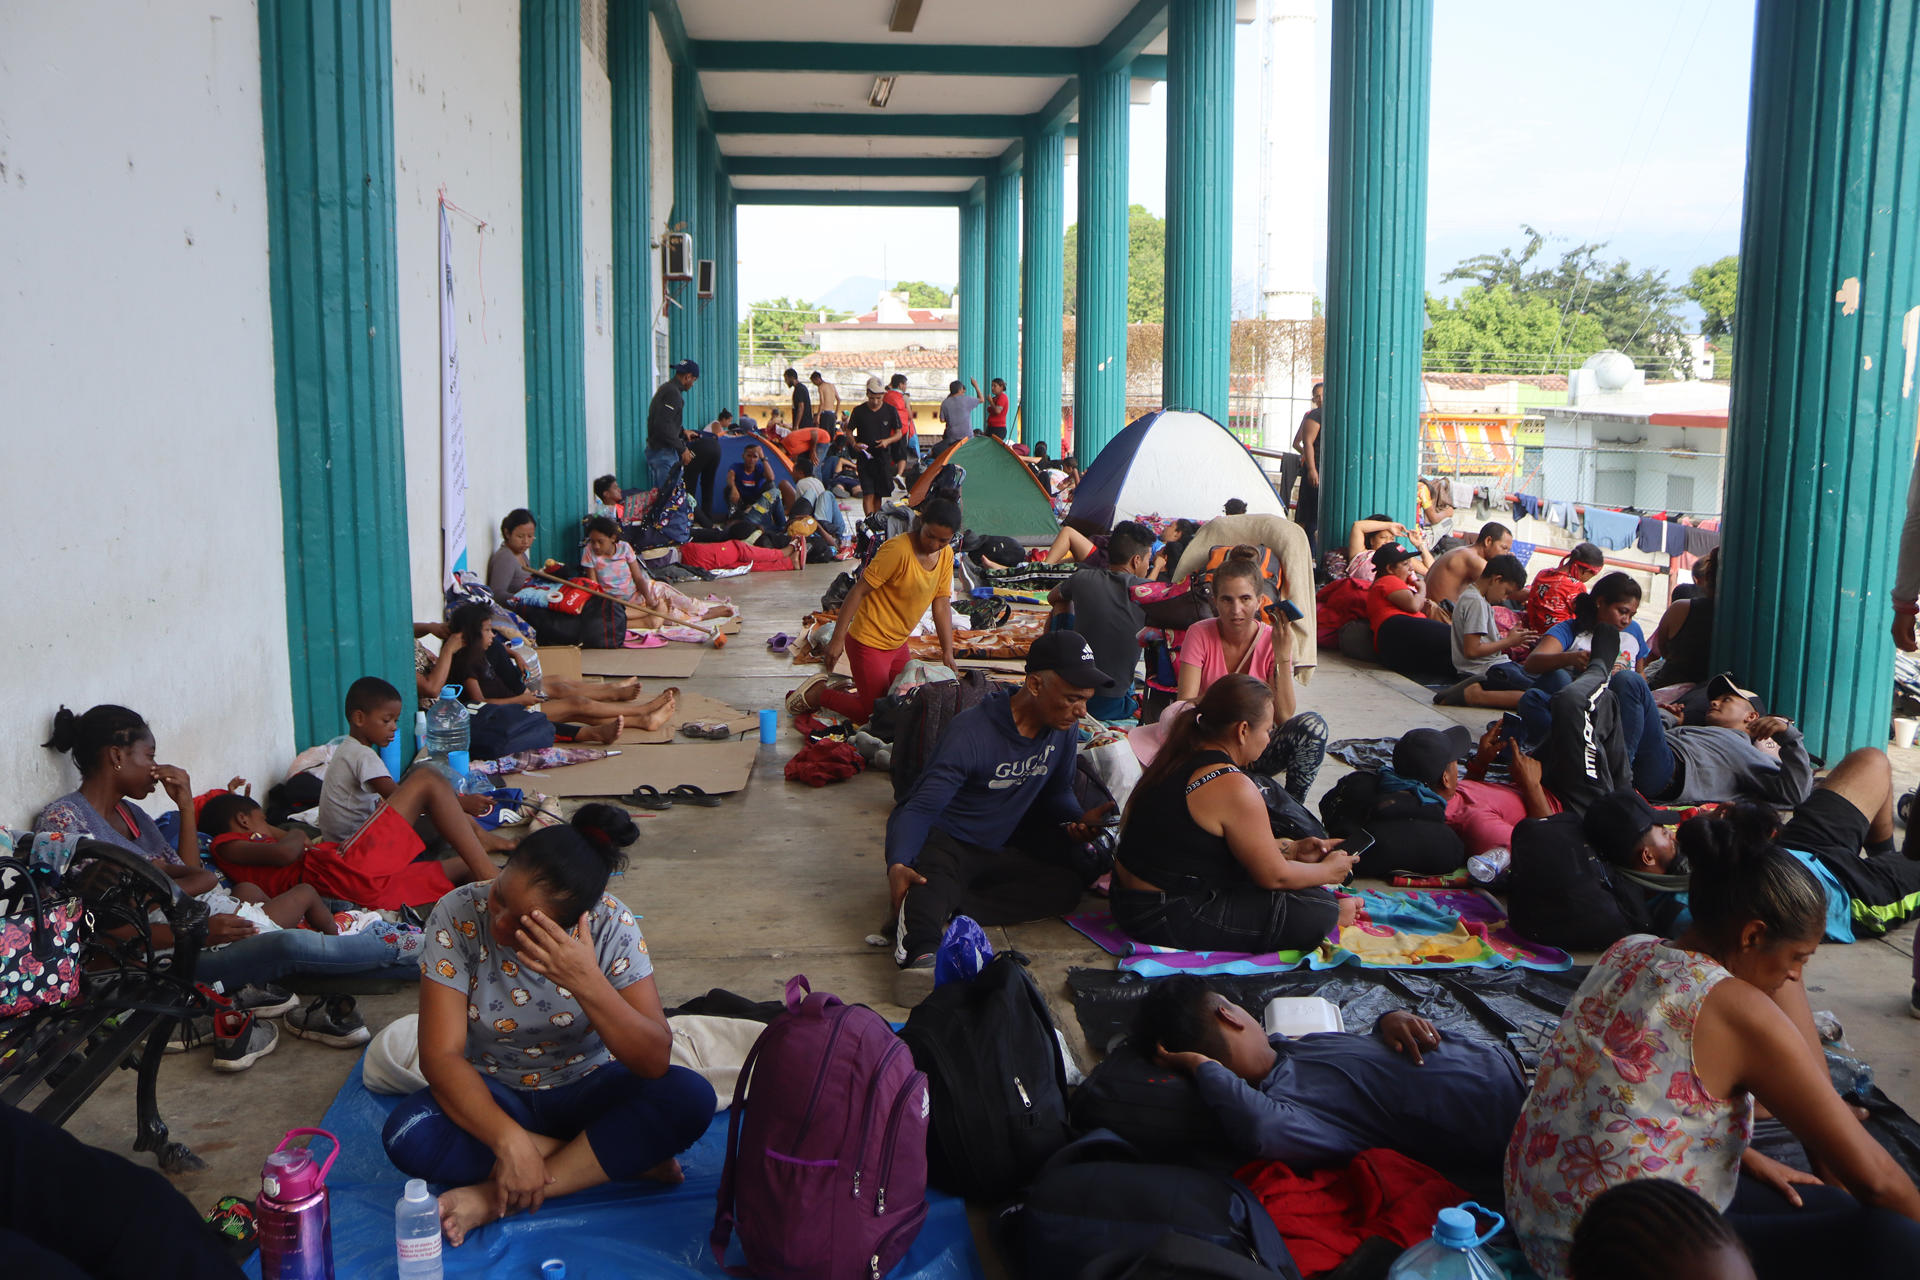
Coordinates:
(1723, 764)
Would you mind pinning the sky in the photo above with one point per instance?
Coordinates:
(1624, 123)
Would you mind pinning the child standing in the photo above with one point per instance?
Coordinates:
(1489, 678)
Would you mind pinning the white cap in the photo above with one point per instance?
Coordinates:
(417, 1189)
(874, 384)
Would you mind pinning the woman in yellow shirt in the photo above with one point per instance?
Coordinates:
(908, 573)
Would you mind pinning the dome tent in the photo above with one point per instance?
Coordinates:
(1172, 463)
(1001, 494)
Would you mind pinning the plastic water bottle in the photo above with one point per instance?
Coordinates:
(1488, 867)
(1454, 1253)
(416, 1233)
(447, 734)
(531, 656)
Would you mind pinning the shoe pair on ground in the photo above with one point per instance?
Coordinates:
(242, 1034)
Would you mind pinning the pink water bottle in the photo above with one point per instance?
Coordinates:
(292, 1213)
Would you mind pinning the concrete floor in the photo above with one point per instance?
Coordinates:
(785, 879)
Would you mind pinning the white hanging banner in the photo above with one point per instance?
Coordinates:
(453, 430)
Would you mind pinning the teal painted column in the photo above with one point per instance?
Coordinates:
(326, 94)
(552, 274)
(683, 314)
(1376, 260)
(628, 63)
(973, 294)
(1043, 181)
(1003, 291)
(1100, 282)
(1199, 208)
(1820, 435)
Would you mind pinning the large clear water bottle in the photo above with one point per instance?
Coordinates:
(416, 1233)
(530, 657)
(447, 731)
(1454, 1252)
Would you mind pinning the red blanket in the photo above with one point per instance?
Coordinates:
(1325, 1216)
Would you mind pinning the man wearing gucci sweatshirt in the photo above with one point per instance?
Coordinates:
(991, 829)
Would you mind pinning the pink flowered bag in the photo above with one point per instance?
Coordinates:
(39, 943)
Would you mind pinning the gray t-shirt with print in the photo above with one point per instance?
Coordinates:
(521, 1027)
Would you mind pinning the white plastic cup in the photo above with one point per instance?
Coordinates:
(1904, 728)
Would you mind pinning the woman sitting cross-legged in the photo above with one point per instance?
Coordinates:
(1662, 1055)
(473, 657)
(1198, 867)
(542, 1039)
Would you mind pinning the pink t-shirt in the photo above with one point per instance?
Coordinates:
(1485, 814)
(1202, 648)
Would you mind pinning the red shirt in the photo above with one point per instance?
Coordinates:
(1550, 599)
(898, 399)
(997, 409)
(1379, 608)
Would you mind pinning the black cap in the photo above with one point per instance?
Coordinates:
(1423, 755)
(1616, 822)
(1068, 653)
(1385, 558)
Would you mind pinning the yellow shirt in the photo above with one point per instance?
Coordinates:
(899, 591)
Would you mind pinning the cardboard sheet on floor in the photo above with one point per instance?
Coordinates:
(715, 767)
(668, 662)
(635, 1229)
(562, 662)
(694, 706)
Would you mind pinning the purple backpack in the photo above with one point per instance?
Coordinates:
(831, 1119)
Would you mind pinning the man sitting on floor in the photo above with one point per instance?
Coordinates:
(991, 829)
(1323, 1099)
(1454, 570)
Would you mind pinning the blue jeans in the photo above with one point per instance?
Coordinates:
(1111, 706)
(631, 1122)
(660, 463)
(1534, 717)
(1644, 733)
(291, 953)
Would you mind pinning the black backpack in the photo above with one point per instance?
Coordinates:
(923, 716)
(1562, 894)
(1156, 1109)
(994, 1073)
(1347, 806)
(1097, 1196)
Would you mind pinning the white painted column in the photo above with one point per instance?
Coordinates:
(1290, 201)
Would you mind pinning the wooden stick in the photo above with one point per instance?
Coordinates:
(630, 605)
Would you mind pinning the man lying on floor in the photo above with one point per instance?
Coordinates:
(1449, 1103)
(991, 828)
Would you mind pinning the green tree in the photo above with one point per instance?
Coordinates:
(1146, 266)
(1488, 329)
(1712, 288)
(921, 294)
(1637, 311)
(775, 329)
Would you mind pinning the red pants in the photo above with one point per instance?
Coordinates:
(874, 671)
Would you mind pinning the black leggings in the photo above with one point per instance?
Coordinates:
(1243, 918)
(1418, 648)
(1831, 1234)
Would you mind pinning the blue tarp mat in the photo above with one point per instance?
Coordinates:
(612, 1231)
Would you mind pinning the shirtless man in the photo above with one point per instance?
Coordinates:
(825, 394)
(1462, 565)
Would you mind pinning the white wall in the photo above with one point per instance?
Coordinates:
(596, 245)
(456, 123)
(141, 478)
(660, 180)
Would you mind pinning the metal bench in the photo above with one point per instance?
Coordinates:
(132, 996)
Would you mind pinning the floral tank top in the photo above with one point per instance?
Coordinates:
(1616, 1099)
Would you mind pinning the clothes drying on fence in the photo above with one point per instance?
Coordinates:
(1611, 529)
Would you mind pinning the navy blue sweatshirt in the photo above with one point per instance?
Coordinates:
(983, 779)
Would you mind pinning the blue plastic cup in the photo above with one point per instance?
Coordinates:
(769, 726)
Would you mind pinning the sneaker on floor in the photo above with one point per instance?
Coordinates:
(240, 1040)
(913, 982)
(264, 1000)
(190, 1034)
(331, 1020)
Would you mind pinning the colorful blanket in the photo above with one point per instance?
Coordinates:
(1419, 929)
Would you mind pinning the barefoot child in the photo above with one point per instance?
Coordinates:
(256, 855)
(621, 574)
(370, 816)
(546, 1052)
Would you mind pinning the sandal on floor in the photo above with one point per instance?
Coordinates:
(779, 642)
(647, 796)
(797, 699)
(713, 730)
(687, 793)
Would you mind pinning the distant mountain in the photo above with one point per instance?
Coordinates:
(856, 294)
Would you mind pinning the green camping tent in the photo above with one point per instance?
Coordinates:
(1001, 493)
